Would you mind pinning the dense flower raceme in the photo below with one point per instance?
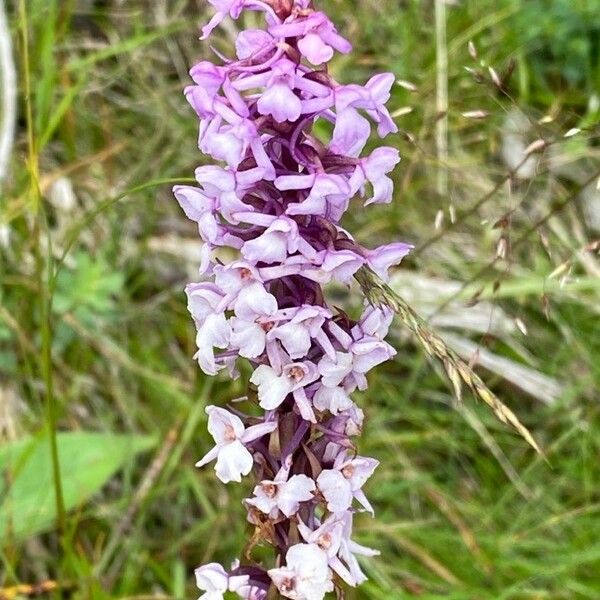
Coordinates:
(274, 199)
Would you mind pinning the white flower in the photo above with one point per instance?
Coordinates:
(344, 482)
(230, 435)
(273, 388)
(306, 575)
(335, 370)
(282, 493)
(333, 399)
(333, 537)
(204, 301)
(214, 580)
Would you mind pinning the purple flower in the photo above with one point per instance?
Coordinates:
(350, 133)
(200, 208)
(204, 302)
(278, 98)
(374, 169)
(371, 98)
(280, 240)
(329, 194)
(251, 42)
(224, 7)
(318, 37)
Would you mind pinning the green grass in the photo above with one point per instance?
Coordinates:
(95, 336)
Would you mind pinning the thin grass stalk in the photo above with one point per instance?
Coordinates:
(44, 269)
(9, 94)
(441, 125)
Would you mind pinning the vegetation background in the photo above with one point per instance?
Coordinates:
(96, 373)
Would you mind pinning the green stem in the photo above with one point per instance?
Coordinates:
(44, 275)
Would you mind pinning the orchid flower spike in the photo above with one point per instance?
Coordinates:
(270, 204)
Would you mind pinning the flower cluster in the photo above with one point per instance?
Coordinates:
(275, 202)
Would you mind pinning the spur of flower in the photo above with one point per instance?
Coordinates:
(268, 212)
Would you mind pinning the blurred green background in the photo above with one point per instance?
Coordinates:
(96, 343)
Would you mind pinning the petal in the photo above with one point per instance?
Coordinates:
(208, 457)
(272, 388)
(369, 352)
(281, 577)
(295, 339)
(363, 468)
(250, 41)
(383, 190)
(313, 205)
(236, 582)
(222, 423)
(193, 202)
(262, 501)
(382, 258)
(234, 460)
(350, 133)
(211, 578)
(342, 264)
(362, 550)
(254, 301)
(304, 406)
(314, 49)
(336, 490)
(267, 248)
(215, 179)
(226, 147)
(362, 500)
(298, 489)
(379, 86)
(248, 337)
(334, 371)
(214, 22)
(333, 399)
(353, 566)
(257, 431)
(294, 182)
(336, 564)
(215, 331)
(205, 357)
(280, 102)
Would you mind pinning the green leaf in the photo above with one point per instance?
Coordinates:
(87, 462)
